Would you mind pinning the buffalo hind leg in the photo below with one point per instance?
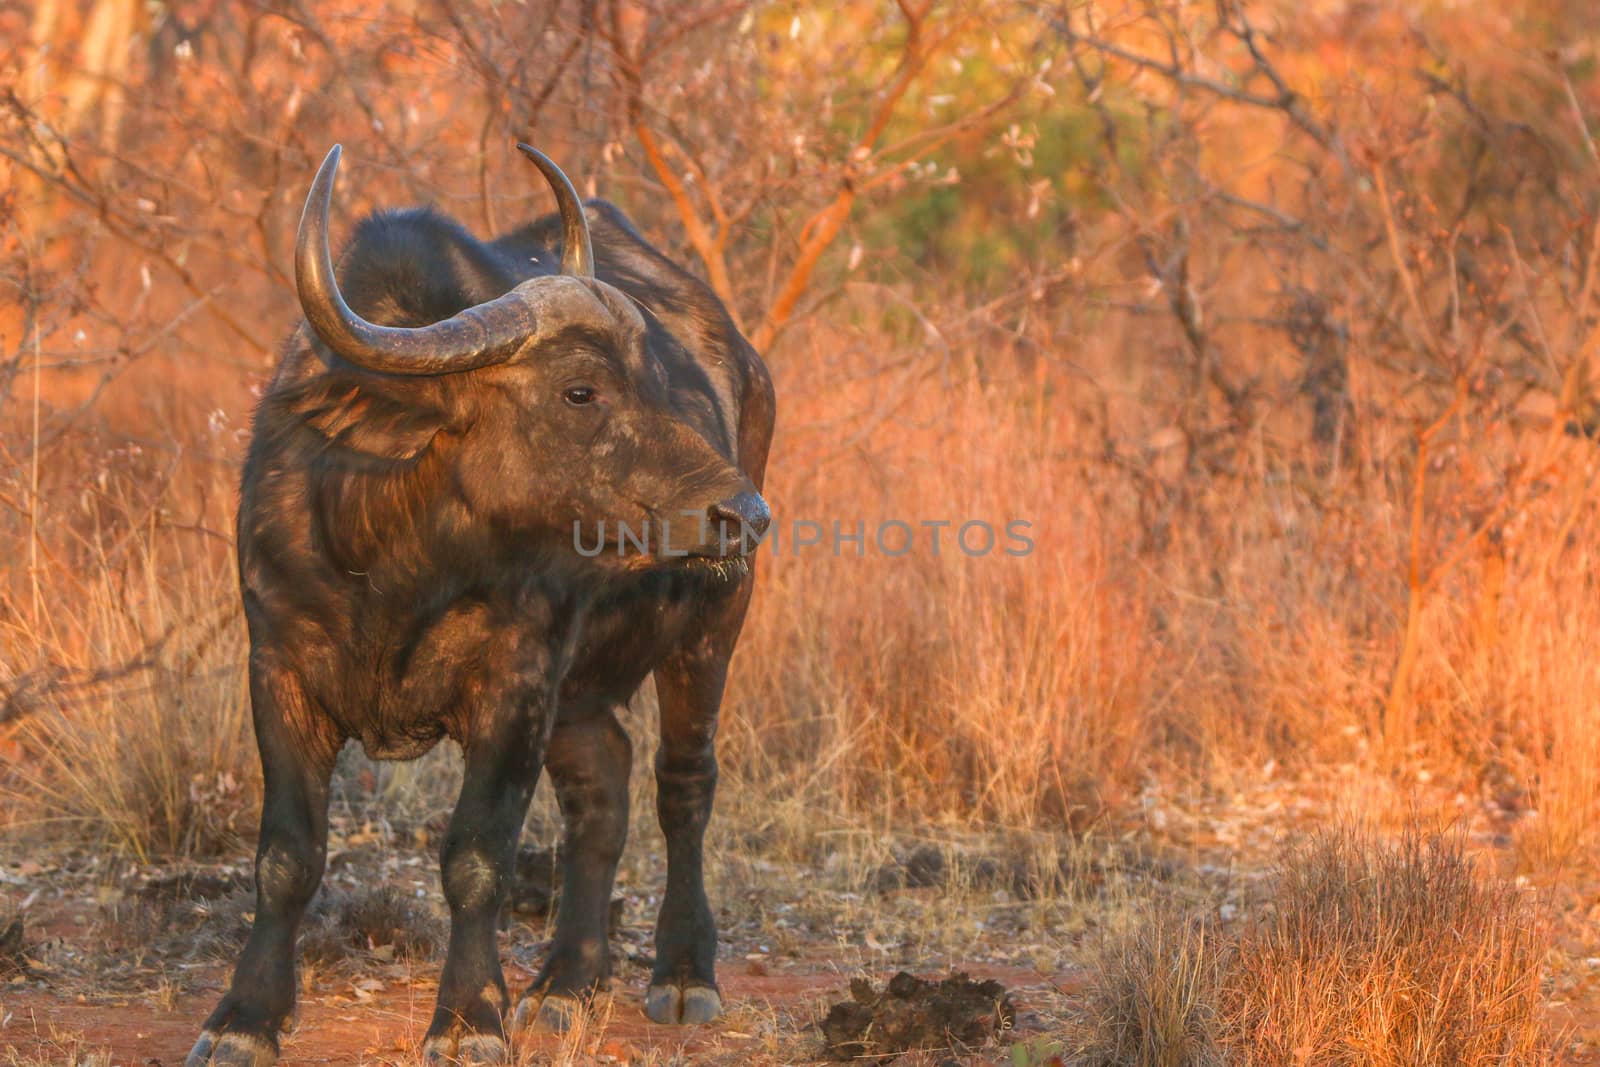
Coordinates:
(243, 1030)
(589, 761)
(683, 985)
(479, 850)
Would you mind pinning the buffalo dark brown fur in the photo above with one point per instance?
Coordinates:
(421, 461)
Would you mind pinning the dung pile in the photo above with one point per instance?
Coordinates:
(912, 1014)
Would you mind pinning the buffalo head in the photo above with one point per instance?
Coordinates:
(560, 415)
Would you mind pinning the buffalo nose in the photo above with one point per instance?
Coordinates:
(746, 513)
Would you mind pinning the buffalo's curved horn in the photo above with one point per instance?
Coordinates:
(477, 337)
(577, 254)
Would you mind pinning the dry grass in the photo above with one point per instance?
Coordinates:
(1380, 954)
(1155, 994)
(909, 675)
(1366, 952)
(130, 694)
(1021, 691)
(53, 1047)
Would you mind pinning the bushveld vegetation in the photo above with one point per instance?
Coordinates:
(1278, 322)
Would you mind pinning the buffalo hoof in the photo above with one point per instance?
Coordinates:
(672, 1006)
(466, 1050)
(552, 1012)
(231, 1050)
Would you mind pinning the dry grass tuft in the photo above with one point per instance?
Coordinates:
(1397, 953)
(1154, 1002)
(143, 743)
(1367, 953)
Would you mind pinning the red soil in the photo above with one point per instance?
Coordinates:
(388, 1028)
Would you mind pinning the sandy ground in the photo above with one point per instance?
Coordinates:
(771, 1019)
(123, 962)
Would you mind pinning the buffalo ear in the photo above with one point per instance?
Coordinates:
(370, 422)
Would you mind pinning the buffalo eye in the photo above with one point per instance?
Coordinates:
(578, 395)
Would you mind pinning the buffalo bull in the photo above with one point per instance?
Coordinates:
(453, 420)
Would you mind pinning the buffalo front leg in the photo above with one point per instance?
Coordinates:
(589, 761)
(501, 769)
(683, 985)
(296, 761)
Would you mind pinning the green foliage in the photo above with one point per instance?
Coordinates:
(1040, 1053)
(984, 207)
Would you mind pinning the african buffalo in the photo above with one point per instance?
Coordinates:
(452, 415)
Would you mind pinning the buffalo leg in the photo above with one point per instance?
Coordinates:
(295, 767)
(479, 850)
(683, 985)
(589, 760)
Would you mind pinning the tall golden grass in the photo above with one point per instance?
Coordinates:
(131, 715)
(1033, 690)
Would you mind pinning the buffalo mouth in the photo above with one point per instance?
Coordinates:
(727, 568)
(730, 566)
(728, 561)
(662, 542)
